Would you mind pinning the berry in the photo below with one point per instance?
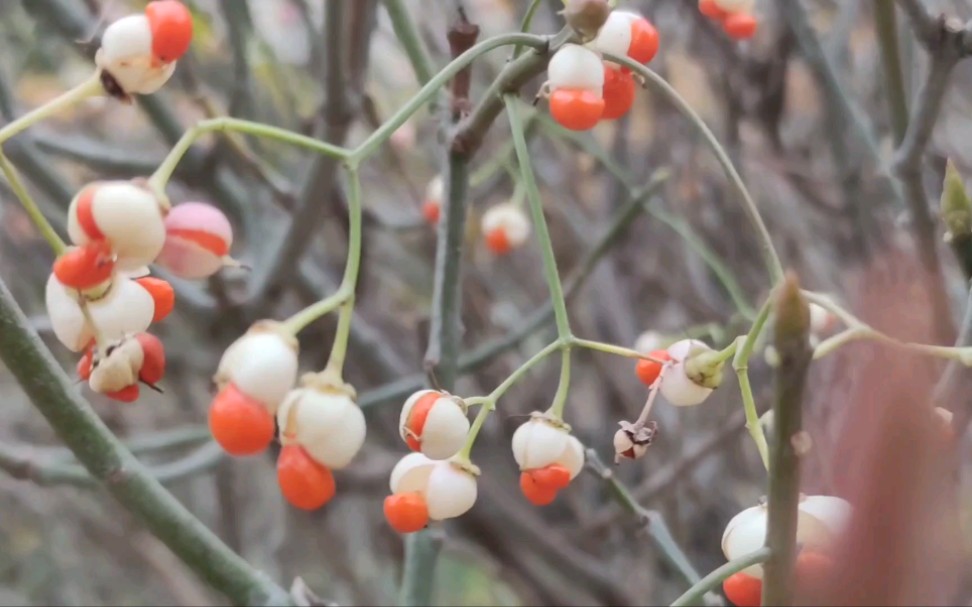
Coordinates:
(325, 421)
(576, 109)
(407, 512)
(434, 423)
(449, 489)
(431, 211)
(128, 394)
(536, 493)
(812, 571)
(171, 25)
(712, 10)
(619, 93)
(85, 267)
(432, 207)
(304, 483)
(644, 40)
(123, 308)
(262, 364)
(740, 26)
(240, 423)
(677, 387)
(153, 358)
(126, 54)
(648, 369)
(85, 362)
(541, 443)
(129, 217)
(575, 67)
(743, 590)
(163, 296)
(505, 227)
(198, 238)
(554, 475)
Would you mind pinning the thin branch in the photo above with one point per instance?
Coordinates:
(886, 25)
(129, 482)
(421, 554)
(791, 335)
(411, 41)
(693, 596)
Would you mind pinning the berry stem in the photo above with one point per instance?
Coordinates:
(514, 377)
(611, 349)
(740, 363)
(711, 582)
(772, 259)
(299, 321)
(160, 178)
(350, 280)
(33, 211)
(525, 25)
(563, 386)
(89, 88)
(488, 407)
(652, 396)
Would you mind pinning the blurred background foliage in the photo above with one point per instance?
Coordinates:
(812, 175)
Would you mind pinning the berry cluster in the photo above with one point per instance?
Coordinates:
(584, 89)
(735, 16)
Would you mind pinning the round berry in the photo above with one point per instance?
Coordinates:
(740, 26)
(239, 423)
(128, 394)
(648, 369)
(304, 483)
(644, 41)
(576, 109)
(554, 475)
(198, 238)
(153, 358)
(712, 10)
(86, 266)
(406, 512)
(743, 590)
(619, 93)
(536, 493)
(163, 295)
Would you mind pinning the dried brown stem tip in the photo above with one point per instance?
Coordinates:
(586, 16)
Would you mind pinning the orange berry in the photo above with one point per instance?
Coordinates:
(162, 294)
(431, 211)
(416, 419)
(304, 483)
(85, 266)
(536, 493)
(576, 109)
(812, 571)
(554, 476)
(171, 25)
(644, 41)
(740, 26)
(406, 512)
(85, 362)
(128, 394)
(743, 590)
(619, 93)
(240, 424)
(712, 10)
(153, 359)
(498, 242)
(649, 370)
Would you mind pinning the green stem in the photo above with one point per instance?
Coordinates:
(885, 24)
(299, 321)
(693, 596)
(563, 386)
(89, 88)
(339, 348)
(740, 363)
(608, 348)
(536, 210)
(514, 377)
(374, 141)
(33, 211)
(487, 407)
(408, 36)
(351, 269)
(421, 555)
(163, 174)
(773, 265)
(525, 24)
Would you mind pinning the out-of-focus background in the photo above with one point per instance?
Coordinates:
(685, 264)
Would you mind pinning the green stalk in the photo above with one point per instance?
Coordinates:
(693, 596)
(33, 211)
(89, 88)
(740, 364)
(351, 269)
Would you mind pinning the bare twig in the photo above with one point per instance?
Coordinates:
(886, 25)
(408, 35)
(121, 473)
(791, 334)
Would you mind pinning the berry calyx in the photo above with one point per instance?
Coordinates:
(163, 295)
(304, 483)
(153, 358)
(86, 266)
(171, 25)
(644, 40)
(576, 109)
(619, 93)
(240, 424)
(648, 369)
(743, 590)
(740, 26)
(406, 512)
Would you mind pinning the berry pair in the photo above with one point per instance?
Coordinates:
(549, 458)
(735, 16)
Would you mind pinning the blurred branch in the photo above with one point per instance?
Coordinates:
(650, 521)
(418, 575)
(886, 26)
(98, 155)
(122, 474)
(408, 36)
(791, 336)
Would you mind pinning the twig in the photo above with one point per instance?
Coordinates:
(693, 595)
(123, 475)
(791, 336)
(408, 36)
(462, 35)
(886, 25)
(421, 554)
